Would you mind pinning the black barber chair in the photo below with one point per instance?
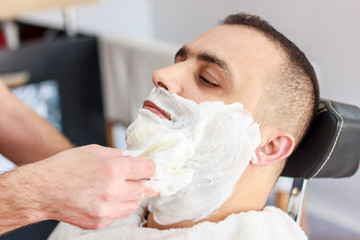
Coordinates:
(331, 149)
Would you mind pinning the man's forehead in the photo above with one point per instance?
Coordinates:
(230, 40)
(219, 45)
(239, 46)
(241, 33)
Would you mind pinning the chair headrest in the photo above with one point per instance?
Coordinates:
(331, 148)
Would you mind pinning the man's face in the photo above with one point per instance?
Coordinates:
(227, 63)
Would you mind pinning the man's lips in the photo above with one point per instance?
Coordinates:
(155, 109)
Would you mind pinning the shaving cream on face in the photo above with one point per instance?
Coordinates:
(200, 153)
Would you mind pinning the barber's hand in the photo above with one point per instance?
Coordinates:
(89, 186)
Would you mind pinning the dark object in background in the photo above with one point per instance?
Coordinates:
(74, 64)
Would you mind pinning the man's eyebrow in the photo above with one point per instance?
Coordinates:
(182, 52)
(206, 57)
(210, 58)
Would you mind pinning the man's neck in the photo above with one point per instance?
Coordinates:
(151, 223)
(237, 203)
(220, 215)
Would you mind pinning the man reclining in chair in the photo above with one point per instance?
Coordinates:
(219, 125)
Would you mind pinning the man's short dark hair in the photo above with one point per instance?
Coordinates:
(290, 98)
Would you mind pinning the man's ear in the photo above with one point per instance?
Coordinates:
(277, 148)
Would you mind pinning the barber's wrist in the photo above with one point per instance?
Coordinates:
(18, 207)
(26, 190)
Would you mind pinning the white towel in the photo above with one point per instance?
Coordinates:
(127, 67)
(269, 224)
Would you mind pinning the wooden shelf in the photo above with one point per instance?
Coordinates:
(10, 9)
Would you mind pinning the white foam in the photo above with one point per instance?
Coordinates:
(200, 154)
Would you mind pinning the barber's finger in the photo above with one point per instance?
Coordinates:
(139, 168)
(137, 190)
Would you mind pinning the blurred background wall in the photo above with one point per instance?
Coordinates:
(327, 30)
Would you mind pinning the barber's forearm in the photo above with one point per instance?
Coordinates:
(25, 137)
(17, 204)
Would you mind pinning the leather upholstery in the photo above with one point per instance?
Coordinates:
(331, 148)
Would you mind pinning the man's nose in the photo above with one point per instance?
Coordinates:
(168, 78)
